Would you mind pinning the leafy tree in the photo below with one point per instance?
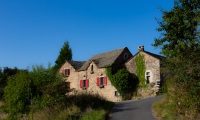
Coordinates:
(4, 74)
(33, 90)
(65, 54)
(180, 43)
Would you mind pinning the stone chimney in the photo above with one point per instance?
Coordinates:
(141, 48)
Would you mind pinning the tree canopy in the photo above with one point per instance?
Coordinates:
(65, 54)
(180, 43)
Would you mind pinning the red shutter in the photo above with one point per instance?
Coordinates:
(105, 80)
(81, 83)
(98, 80)
(63, 71)
(87, 83)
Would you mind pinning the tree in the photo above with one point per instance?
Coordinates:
(33, 90)
(4, 75)
(180, 43)
(65, 54)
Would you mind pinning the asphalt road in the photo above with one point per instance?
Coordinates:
(134, 110)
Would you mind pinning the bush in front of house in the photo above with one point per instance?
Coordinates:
(125, 82)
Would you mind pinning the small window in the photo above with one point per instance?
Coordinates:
(101, 81)
(148, 77)
(66, 72)
(92, 69)
(116, 93)
(158, 83)
(125, 56)
(84, 84)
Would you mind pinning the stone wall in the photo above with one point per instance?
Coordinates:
(108, 91)
(152, 65)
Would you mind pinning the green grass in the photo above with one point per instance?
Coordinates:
(95, 115)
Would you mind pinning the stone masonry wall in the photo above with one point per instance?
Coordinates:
(108, 91)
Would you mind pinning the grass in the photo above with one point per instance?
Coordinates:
(164, 111)
(76, 107)
(95, 115)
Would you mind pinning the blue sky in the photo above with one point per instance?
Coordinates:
(33, 31)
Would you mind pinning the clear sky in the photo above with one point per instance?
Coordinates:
(33, 31)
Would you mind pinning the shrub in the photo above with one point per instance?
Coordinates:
(124, 82)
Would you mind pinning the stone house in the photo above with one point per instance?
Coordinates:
(90, 76)
(152, 74)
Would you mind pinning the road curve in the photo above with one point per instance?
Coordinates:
(134, 110)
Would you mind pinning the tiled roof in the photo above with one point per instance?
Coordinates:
(76, 64)
(103, 59)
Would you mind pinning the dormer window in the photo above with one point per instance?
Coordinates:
(66, 71)
(92, 69)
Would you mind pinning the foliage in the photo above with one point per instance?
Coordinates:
(65, 54)
(180, 43)
(80, 106)
(140, 70)
(4, 74)
(17, 93)
(123, 81)
(34, 90)
(95, 115)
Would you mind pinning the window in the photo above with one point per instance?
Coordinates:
(66, 72)
(148, 77)
(101, 81)
(158, 83)
(84, 84)
(92, 69)
(116, 93)
(125, 56)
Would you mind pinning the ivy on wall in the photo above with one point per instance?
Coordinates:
(125, 83)
(140, 70)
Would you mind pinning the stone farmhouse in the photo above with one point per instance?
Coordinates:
(90, 76)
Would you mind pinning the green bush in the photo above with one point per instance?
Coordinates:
(124, 82)
(34, 90)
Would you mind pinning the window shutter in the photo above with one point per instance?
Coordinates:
(63, 71)
(105, 80)
(81, 83)
(98, 80)
(87, 83)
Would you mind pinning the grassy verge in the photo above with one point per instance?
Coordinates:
(76, 107)
(164, 111)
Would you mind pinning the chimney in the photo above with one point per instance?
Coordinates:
(141, 48)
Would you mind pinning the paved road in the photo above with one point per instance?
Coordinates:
(134, 110)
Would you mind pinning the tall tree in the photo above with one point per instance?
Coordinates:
(65, 54)
(180, 43)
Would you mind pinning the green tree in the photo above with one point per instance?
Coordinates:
(65, 54)
(4, 75)
(180, 43)
(17, 92)
(33, 90)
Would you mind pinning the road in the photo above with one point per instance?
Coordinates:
(134, 110)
